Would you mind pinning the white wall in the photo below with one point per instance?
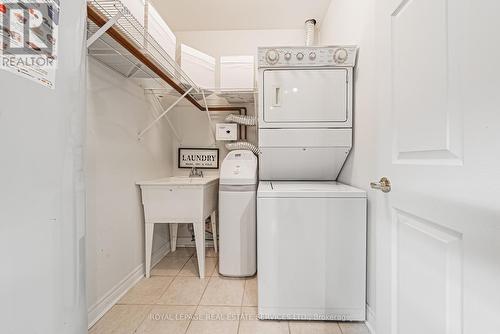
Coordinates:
(352, 22)
(42, 227)
(115, 160)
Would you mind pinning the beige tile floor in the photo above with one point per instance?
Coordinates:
(175, 301)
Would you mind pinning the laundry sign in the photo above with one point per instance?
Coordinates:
(199, 158)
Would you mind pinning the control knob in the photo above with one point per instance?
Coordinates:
(340, 56)
(300, 56)
(288, 56)
(312, 55)
(272, 56)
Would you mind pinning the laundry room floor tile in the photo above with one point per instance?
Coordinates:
(121, 319)
(250, 324)
(170, 266)
(215, 319)
(147, 291)
(216, 271)
(191, 267)
(184, 291)
(182, 252)
(224, 291)
(167, 319)
(250, 295)
(316, 327)
(354, 328)
(176, 301)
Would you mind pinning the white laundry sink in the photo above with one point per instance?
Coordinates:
(178, 199)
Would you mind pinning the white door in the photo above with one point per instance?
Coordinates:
(438, 230)
(306, 96)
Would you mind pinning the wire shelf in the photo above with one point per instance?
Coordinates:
(130, 50)
(115, 56)
(238, 96)
(214, 97)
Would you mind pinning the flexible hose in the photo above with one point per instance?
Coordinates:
(310, 32)
(242, 119)
(243, 145)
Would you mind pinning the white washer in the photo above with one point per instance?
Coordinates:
(311, 250)
(237, 214)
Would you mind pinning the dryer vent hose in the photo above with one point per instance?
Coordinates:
(242, 119)
(243, 145)
(310, 32)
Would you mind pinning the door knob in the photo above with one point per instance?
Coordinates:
(384, 184)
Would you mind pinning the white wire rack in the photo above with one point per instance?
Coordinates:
(115, 56)
(214, 97)
(238, 96)
(120, 42)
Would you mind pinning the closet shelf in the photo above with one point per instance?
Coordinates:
(236, 96)
(120, 42)
(214, 97)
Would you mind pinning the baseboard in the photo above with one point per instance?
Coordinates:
(370, 319)
(96, 311)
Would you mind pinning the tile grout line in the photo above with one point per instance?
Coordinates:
(144, 319)
(177, 275)
(241, 306)
(191, 319)
(204, 290)
(165, 290)
(340, 327)
(173, 279)
(201, 297)
(198, 306)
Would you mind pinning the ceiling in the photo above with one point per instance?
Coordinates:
(183, 15)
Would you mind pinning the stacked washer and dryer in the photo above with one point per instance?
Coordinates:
(311, 230)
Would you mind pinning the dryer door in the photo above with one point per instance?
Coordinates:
(306, 96)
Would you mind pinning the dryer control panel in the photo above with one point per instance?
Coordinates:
(333, 56)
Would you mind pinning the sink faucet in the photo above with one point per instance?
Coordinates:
(195, 172)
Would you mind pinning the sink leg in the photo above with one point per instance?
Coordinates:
(173, 236)
(214, 229)
(199, 235)
(149, 230)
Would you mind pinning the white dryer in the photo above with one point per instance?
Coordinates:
(305, 111)
(312, 251)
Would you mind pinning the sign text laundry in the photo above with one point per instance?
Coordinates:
(198, 157)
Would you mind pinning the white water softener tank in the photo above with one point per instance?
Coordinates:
(237, 214)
